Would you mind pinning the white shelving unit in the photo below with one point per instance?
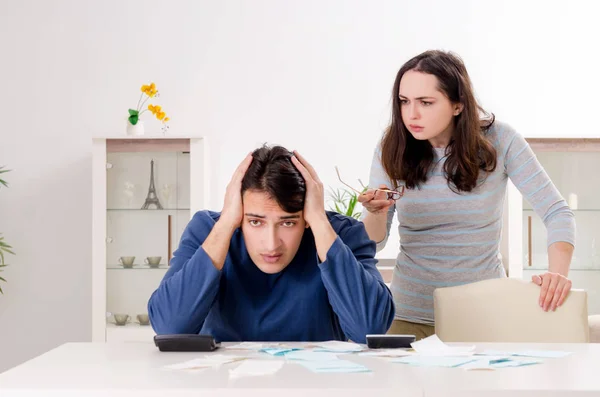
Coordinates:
(121, 182)
(570, 164)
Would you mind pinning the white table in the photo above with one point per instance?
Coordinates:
(135, 369)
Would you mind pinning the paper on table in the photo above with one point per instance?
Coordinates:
(514, 363)
(487, 362)
(258, 346)
(206, 362)
(528, 353)
(338, 346)
(543, 353)
(274, 351)
(387, 353)
(256, 368)
(494, 362)
(333, 366)
(309, 355)
(434, 361)
(478, 365)
(433, 346)
(247, 346)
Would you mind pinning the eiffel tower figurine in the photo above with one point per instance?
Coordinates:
(152, 198)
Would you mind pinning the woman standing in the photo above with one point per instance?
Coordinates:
(443, 165)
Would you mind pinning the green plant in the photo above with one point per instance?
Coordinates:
(344, 202)
(4, 248)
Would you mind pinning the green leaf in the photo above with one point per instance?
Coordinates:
(133, 112)
(3, 182)
(2, 279)
(133, 120)
(352, 203)
(4, 245)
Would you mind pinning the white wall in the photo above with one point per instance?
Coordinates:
(313, 75)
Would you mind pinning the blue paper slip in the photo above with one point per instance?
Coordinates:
(434, 361)
(333, 366)
(513, 363)
(277, 351)
(469, 363)
(484, 363)
(528, 353)
(309, 355)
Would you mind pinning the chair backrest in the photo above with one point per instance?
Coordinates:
(507, 310)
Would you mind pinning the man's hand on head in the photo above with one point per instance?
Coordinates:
(314, 202)
(314, 207)
(232, 213)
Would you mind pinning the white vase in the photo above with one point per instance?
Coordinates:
(135, 130)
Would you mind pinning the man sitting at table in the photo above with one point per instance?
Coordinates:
(273, 265)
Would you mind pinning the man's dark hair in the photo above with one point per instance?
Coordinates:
(273, 172)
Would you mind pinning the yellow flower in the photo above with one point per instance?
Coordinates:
(149, 90)
(160, 115)
(166, 119)
(154, 109)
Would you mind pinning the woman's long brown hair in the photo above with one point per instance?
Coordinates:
(407, 159)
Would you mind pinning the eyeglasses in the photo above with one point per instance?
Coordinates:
(391, 194)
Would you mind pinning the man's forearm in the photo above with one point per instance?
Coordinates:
(216, 244)
(324, 236)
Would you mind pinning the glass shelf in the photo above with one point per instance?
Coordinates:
(545, 269)
(569, 170)
(150, 210)
(129, 325)
(136, 181)
(586, 256)
(583, 210)
(136, 267)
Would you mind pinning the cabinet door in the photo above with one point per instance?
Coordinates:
(571, 166)
(147, 209)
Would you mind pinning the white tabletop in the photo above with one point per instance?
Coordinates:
(130, 369)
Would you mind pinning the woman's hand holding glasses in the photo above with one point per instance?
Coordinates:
(378, 201)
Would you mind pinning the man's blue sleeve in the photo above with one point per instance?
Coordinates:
(357, 293)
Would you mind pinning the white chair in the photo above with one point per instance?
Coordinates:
(507, 310)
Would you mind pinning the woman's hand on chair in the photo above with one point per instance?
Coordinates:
(554, 289)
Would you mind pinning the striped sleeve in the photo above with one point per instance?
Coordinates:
(528, 175)
(377, 176)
